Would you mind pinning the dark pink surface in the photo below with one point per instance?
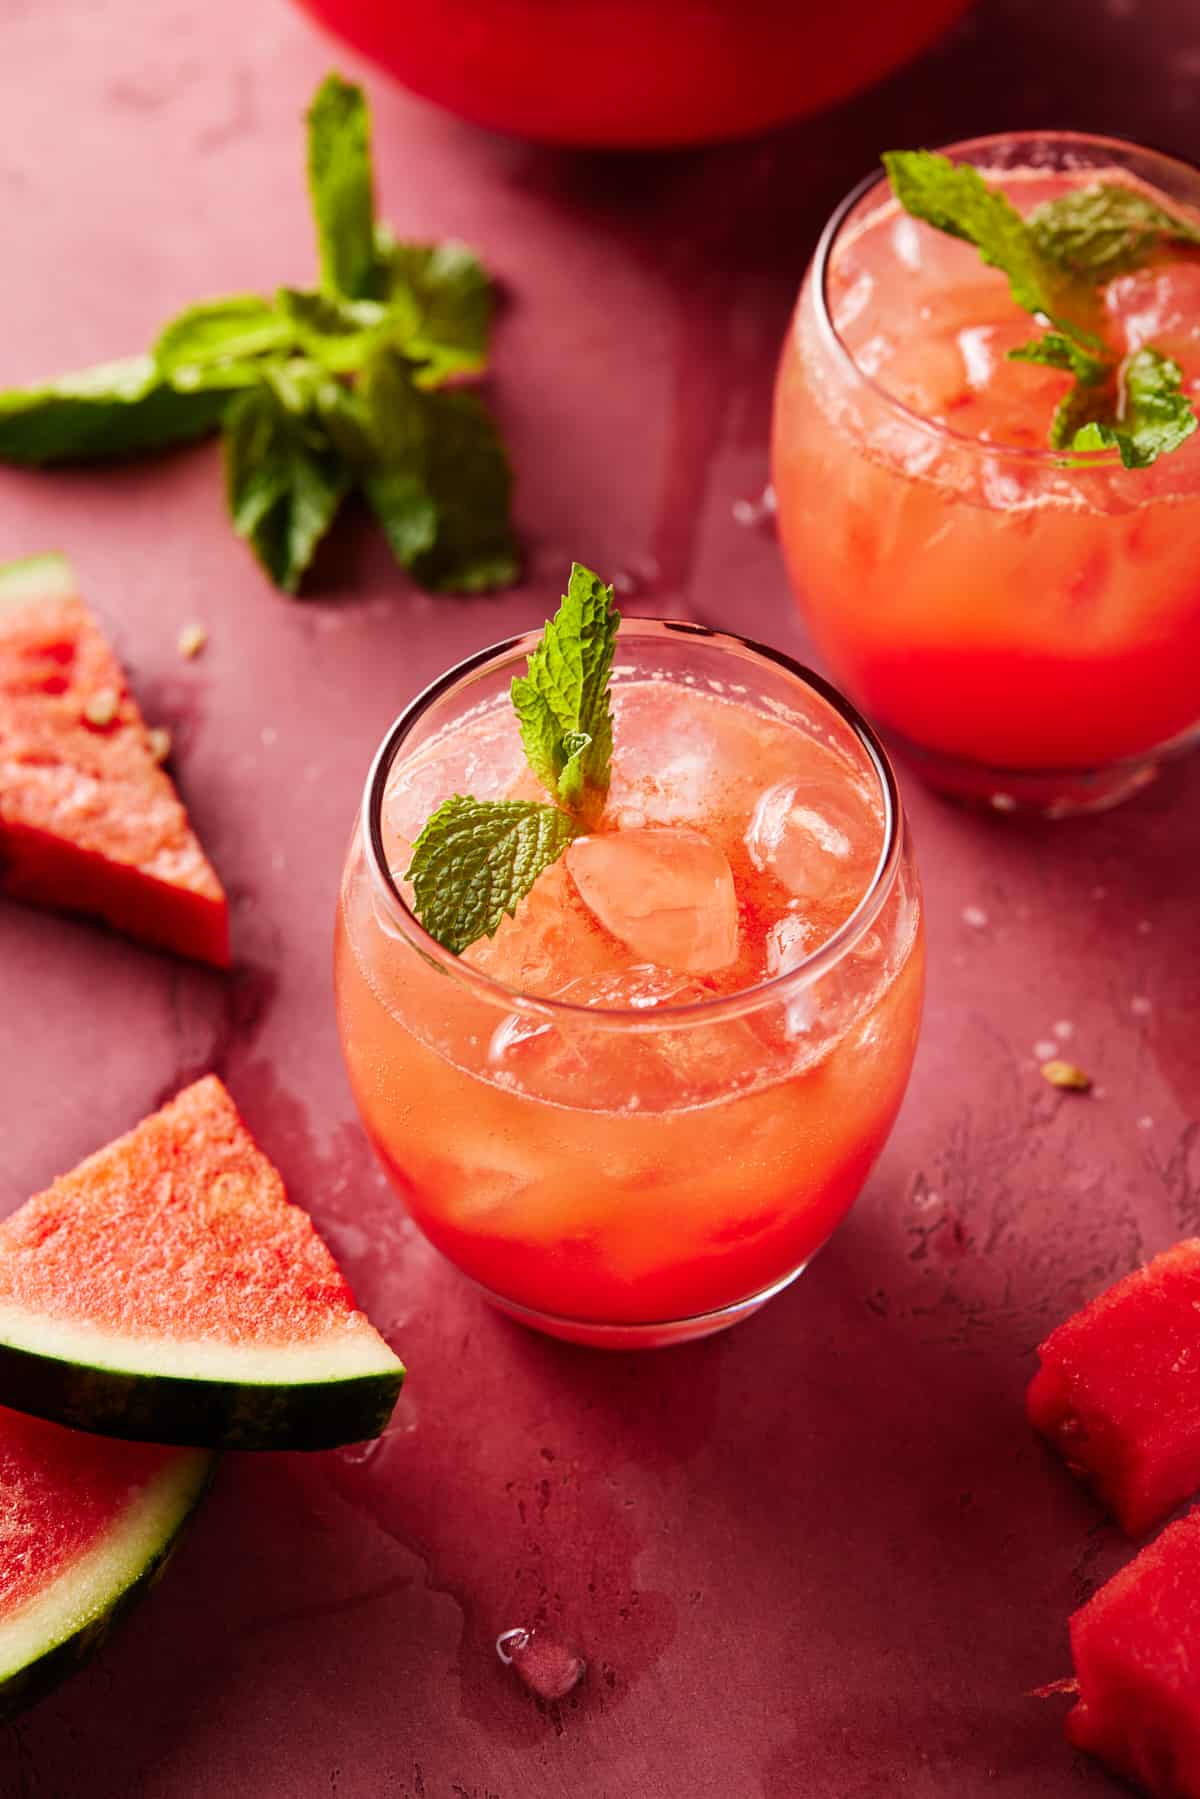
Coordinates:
(821, 1557)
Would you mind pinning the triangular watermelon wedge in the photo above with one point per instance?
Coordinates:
(88, 820)
(167, 1291)
(87, 1525)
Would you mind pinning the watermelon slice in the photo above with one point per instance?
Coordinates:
(87, 1524)
(1118, 1390)
(88, 820)
(167, 1291)
(1136, 1648)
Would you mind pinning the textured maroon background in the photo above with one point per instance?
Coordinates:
(821, 1557)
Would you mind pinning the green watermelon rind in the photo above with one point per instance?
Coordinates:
(255, 1397)
(47, 577)
(48, 1639)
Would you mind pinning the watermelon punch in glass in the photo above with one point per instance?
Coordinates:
(999, 554)
(635, 1112)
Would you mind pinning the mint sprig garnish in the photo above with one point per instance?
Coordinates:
(1103, 230)
(954, 198)
(1052, 259)
(319, 392)
(1056, 351)
(475, 860)
(1152, 414)
(563, 702)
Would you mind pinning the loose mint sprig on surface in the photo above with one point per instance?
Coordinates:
(1077, 241)
(318, 392)
(475, 860)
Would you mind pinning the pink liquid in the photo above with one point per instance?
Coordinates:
(671, 1163)
(975, 595)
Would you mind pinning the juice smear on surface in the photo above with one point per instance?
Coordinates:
(668, 1161)
(974, 594)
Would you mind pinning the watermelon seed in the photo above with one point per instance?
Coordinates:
(102, 708)
(1066, 1075)
(192, 640)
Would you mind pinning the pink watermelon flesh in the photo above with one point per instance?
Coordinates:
(61, 1492)
(1136, 1648)
(1118, 1391)
(180, 1230)
(168, 1290)
(83, 1522)
(88, 820)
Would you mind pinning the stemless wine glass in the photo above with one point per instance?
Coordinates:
(1025, 623)
(616, 1153)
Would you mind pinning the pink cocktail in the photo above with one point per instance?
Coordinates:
(637, 1111)
(1026, 622)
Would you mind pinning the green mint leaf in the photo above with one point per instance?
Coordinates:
(1153, 414)
(339, 334)
(1059, 352)
(319, 390)
(1102, 230)
(1082, 404)
(342, 189)
(213, 344)
(475, 860)
(469, 482)
(563, 702)
(1140, 409)
(388, 458)
(955, 198)
(441, 302)
(572, 782)
(284, 478)
(116, 409)
(439, 480)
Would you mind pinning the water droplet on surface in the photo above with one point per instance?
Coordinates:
(756, 512)
(403, 1420)
(1140, 1006)
(638, 579)
(975, 916)
(1064, 1030)
(358, 1454)
(545, 1664)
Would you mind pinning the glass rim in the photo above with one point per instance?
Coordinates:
(647, 1019)
(1038, 455)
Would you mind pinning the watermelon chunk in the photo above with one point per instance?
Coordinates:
(1136, 1648)
(88, 820)
(168, 1291)
(1118, 1391)
(87, 1524)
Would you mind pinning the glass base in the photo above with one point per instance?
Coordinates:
(640, 1336)
(1040, 793)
